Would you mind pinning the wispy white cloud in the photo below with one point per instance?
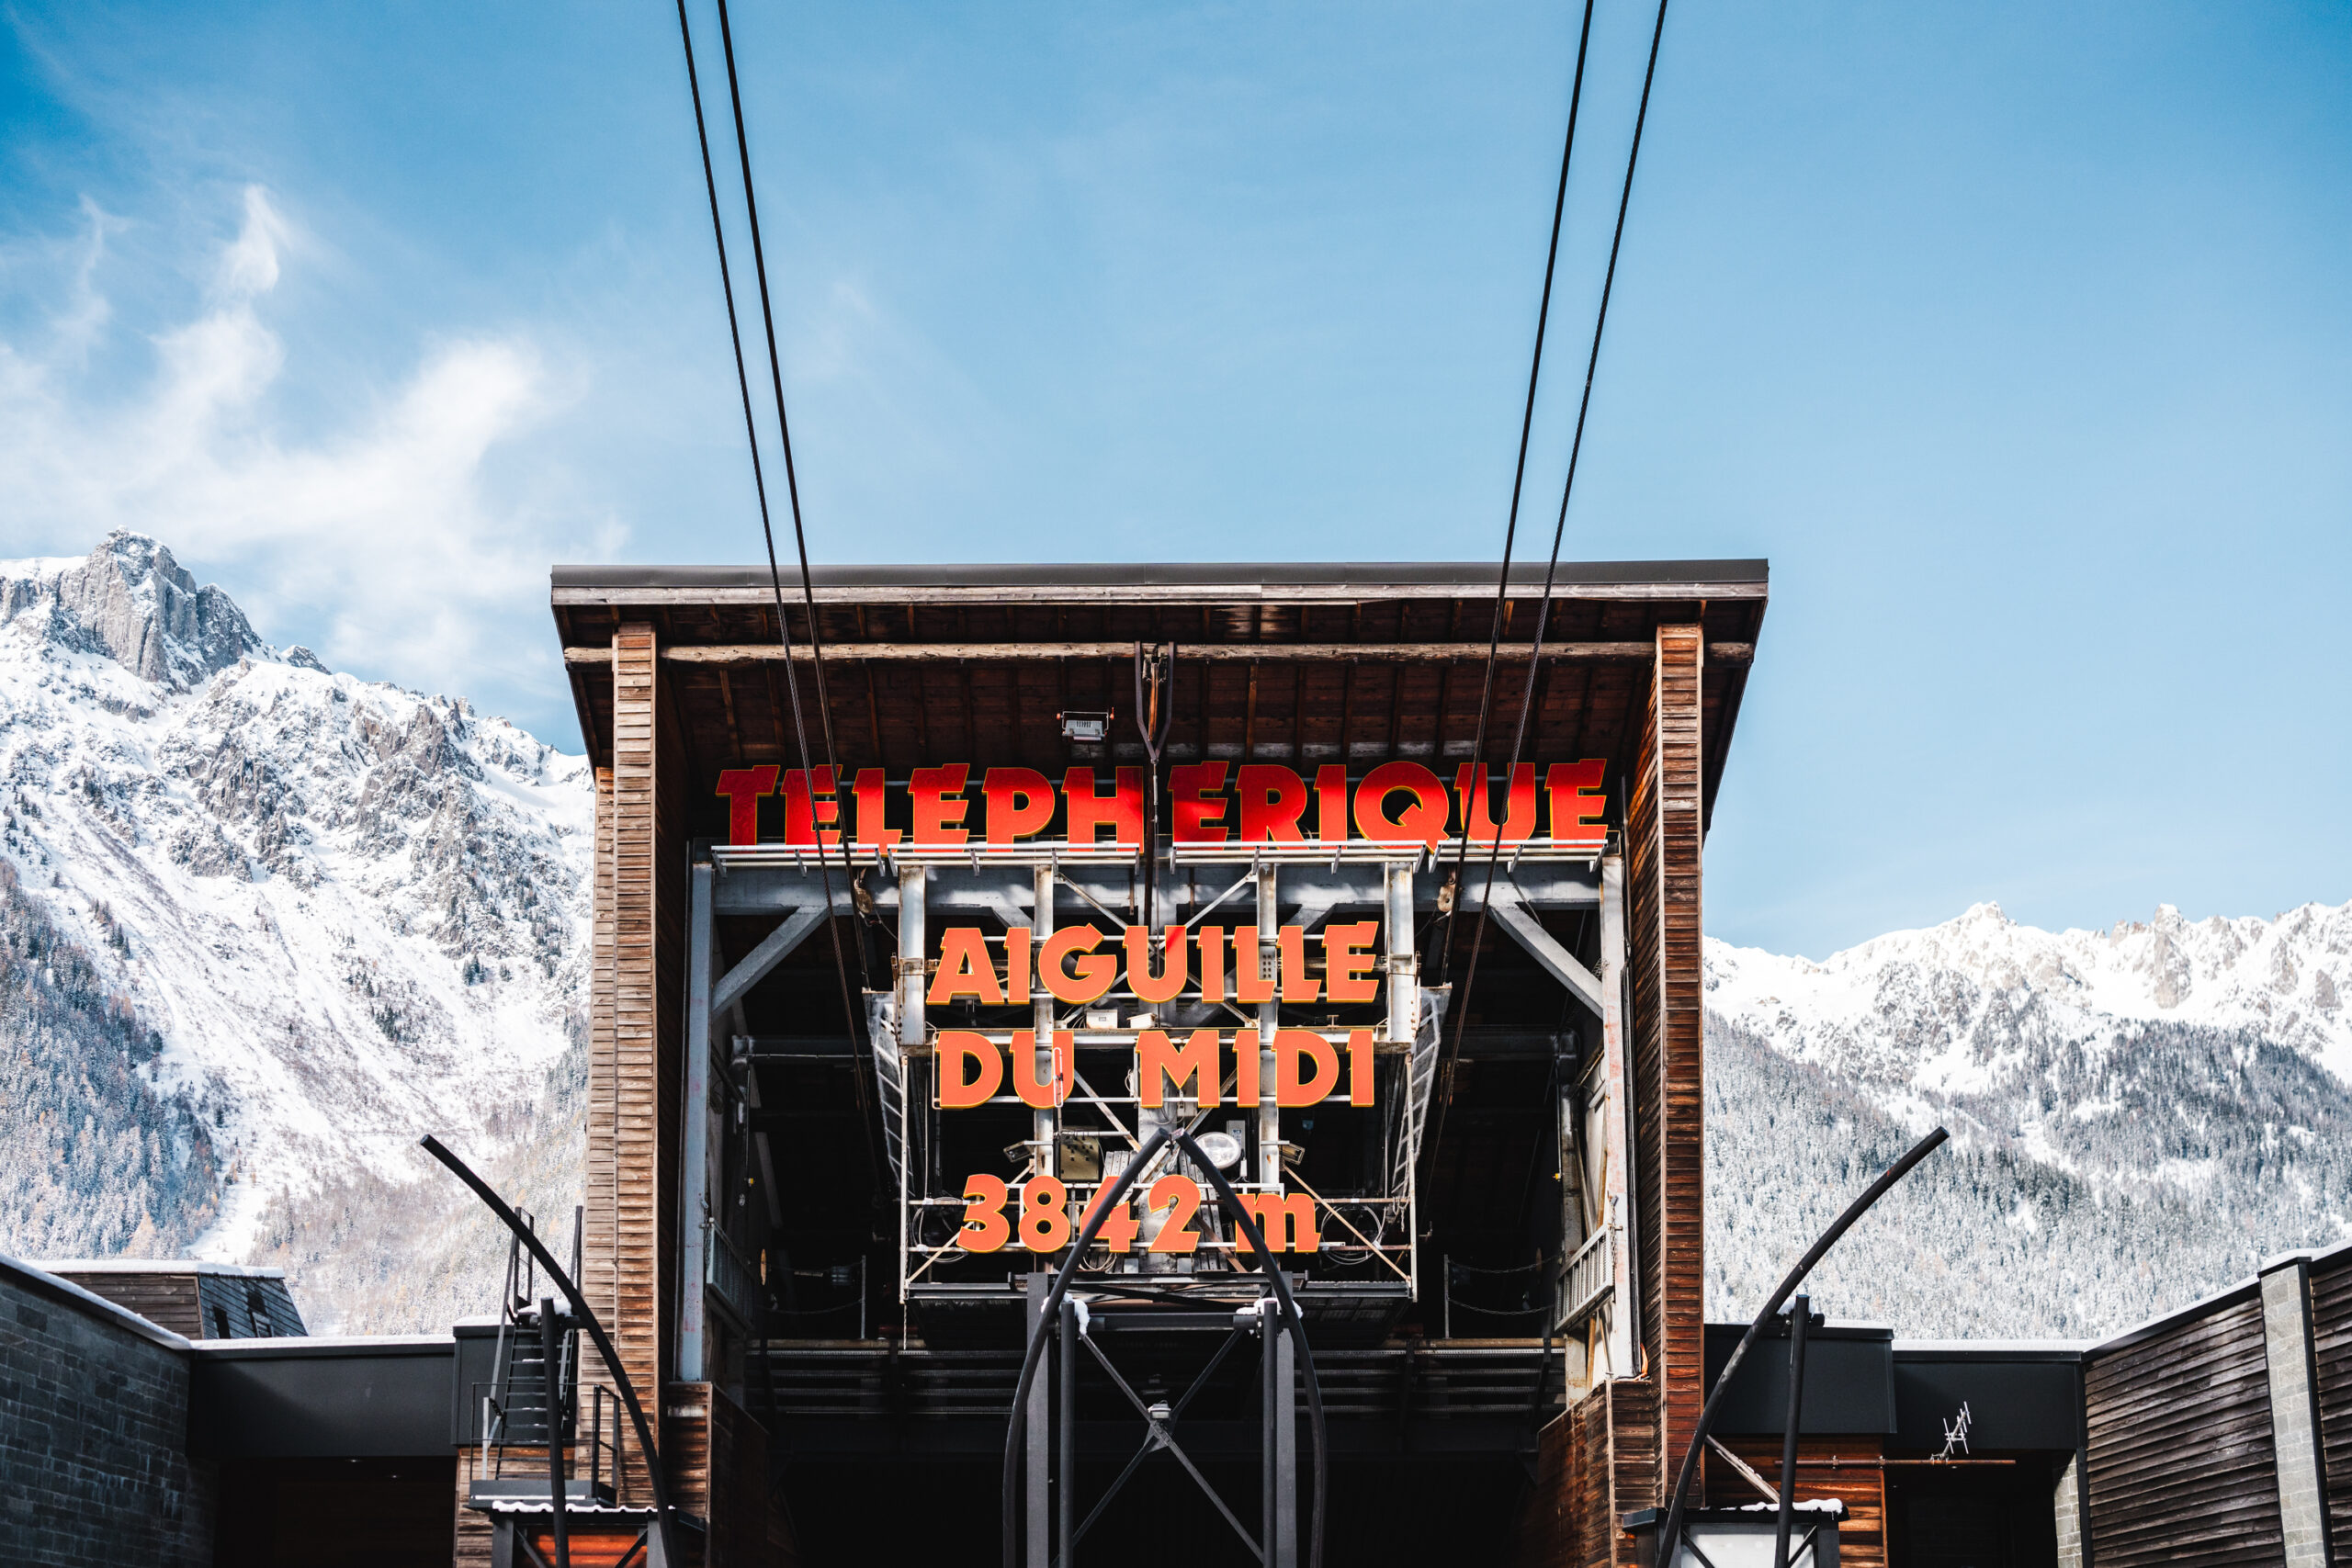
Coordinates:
(393, 538)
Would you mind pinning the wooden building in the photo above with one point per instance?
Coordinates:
(1512, 1226)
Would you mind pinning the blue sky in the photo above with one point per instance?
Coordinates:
(2017, 336)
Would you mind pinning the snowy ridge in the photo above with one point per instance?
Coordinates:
(353, 913)
(2282, 977)
(2139, 1114)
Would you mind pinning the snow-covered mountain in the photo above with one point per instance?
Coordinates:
(2139, 1114)
(264, 924)
(261, 924)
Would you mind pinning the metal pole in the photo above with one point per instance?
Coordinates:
(1800, 1319)
(1042, 1123)
(1037, 1436)
(1066, 1466)
(1267, 1306)
(1268, 963)
(1445, 1282)
(1282, 1545)
(695, 1216)
(549, 1374)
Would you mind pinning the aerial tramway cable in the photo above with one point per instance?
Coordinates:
(768, 531)
(1519, 480)
(1551, 572)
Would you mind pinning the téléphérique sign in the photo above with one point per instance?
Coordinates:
(1397, 803)
(1209, 803)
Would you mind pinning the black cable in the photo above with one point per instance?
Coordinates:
(768, 531)
(1551, 572)
(1518, 481)
(784, 431)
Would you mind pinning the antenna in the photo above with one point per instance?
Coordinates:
(1956, 1433)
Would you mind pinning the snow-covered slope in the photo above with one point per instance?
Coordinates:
(261, 924)
(2143, 1112)
(347, 914)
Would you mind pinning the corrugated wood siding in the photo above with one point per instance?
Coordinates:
(2331, 1339)
(739, 1503)
(1615, 1460)
(470, 1545)
(628, 1226)
(167, 1300)
(2181, 1465)
(1546, 1537)
(1861, 1541)
(1663, 844)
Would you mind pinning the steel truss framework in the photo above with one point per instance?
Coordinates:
(1367, 1229)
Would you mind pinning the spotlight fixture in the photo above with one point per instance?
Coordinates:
(1222, 1148)
(1086, 727)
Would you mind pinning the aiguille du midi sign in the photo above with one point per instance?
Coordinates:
(1395, 803)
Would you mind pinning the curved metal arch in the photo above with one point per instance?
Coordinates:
(578, 1304)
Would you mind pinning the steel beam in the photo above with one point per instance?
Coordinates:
(1616, 1044)
(773, 950)
(914, 950)
(1557, 961)
(694, 1166)
(1004, 890)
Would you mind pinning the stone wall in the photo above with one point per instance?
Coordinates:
(94, 1464)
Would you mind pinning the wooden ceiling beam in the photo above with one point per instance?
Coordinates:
(1234, 652)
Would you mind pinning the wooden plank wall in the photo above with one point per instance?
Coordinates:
(2332, 1341)
(718, 1459)
(1664, 835)
(1615, 1469)
(167, 1300)
(2182, 1470)
(627, 1228)
(1546, 1533)
(1861, 1541)
(470, 1542)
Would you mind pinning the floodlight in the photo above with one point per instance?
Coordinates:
(1223, 1149)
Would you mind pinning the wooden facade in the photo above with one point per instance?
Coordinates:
(199, 1301)
(2331, 1295)
(678, 674)
(2182, 1469)
(1663, 838)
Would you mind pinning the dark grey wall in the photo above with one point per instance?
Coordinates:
(322, 1399)
(94, 1467)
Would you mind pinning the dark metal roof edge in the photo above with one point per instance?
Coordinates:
(1913, 1352)
(1472, 574)
(335, 1347)
(1866, 1332)
(2229, 1295)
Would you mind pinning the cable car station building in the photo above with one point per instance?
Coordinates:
(831, 1169)
(1092, 1106)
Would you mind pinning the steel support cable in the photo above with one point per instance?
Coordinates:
(767, 530)
(1551, 572)
(1670, 1530)
(784, 433)
(1518, 482)
(1049, 1314)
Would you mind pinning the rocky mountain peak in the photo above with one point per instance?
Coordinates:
(130, 601)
